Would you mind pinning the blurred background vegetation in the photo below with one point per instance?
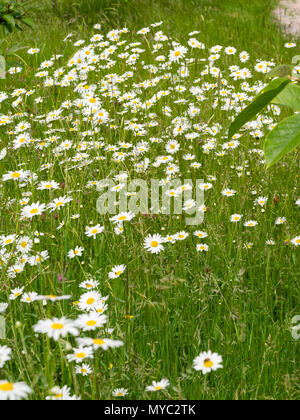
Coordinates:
(224, 21)
(241, 23)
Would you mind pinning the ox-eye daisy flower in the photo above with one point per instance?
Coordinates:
(89, 301)
(200, 234)
(202, 247)
(35, 209)
(58, 203)
(122, 217)
(83, 370)
(80, 354)
(89, 284)
(120, 392)
(116, 271)
(280, 220)
(15, 293)
(250, 223)
(178, 53)
(93, 230)
(228, 192)
(208, 361)
(13, 391)
(90, 321)
(77, 252)
(235, 217)
(157, 386)
(56, 328)
(96, 343)
(61, 394)
(296, 241)
(153, 243)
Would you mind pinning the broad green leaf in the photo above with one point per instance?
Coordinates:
(282, 139)
(9, 19)
(262, 100)
(28, 21)
(290, 97)
(280, 71)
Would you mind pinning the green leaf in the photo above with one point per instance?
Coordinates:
(280, 71)
(282, 139)
(9, 19)
(14, 49)
(28, 21)
(290, 97)
(262, 100)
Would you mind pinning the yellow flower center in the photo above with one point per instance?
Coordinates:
(57, 326)
(16, 175)
(80, 355)
(154, 244)
(99, 341)
(34, 211)
(208, 363)
(90, 301)
(157, 388)
(8, 386)
(91, 323)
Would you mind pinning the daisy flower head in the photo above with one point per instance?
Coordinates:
(235, 218)
(122, 217)
(202, 247)
(90, 321)
(290, 45)
(89, 284)
(61, 394)
(92, 231)
(116, 271)
(261, 201)
(153, 243)
(208, 361)
(157, 386)
(13, 391)
(250, 223)
(296, 241)
(15, 293)
(58, 203)
(228, 193)
(89, 301)
(56, 328)
(119, 392)
(83, 370)
(280, 220)
(80, 354)
(200, 234)
(35, 209)
(177, 53)
(32, 51)
(97, 343)
(77, 252)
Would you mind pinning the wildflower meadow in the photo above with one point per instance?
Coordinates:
(144, 253)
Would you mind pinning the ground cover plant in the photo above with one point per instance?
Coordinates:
(145, 306)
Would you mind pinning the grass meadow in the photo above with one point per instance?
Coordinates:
(96, 308)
